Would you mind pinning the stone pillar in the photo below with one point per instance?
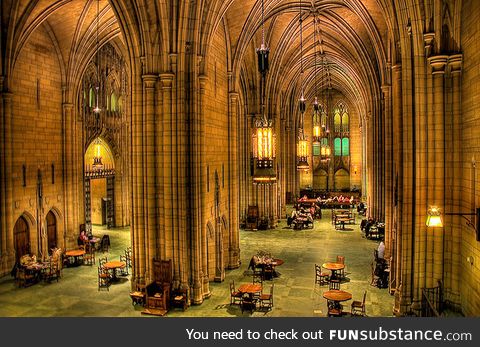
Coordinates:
(149, 173)
(455, 64)
(70, 229)
(234, 236)
(388, 174)
(204, 273)
(396, 239)
(8, 192)
(438, 64)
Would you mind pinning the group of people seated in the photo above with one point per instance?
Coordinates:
(301, 217)
(372, 228)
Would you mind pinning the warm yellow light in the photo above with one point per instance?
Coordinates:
(434, 218)
(316, 131)
(97, 147)
(302, 149)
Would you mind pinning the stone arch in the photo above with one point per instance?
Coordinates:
(24, 235)
(341, 180)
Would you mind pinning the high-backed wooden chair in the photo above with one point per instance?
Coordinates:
(252, 217)
(235, 295)
(158, 291)
(266, 299)
(358, 307)
(341, 260)
(321, 277)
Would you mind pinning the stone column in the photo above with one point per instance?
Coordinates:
(438, 64)
(69, 185)
(396, 240)
(8, 192)
(389, 177)
(204, 273)
(234, 236)
(455, 64)
(149, 173)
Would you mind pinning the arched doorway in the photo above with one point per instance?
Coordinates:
(342, 180)
(320, 179)
(51, 231)
(21, 233)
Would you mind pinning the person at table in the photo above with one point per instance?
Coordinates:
(381, 250)
(82, 239)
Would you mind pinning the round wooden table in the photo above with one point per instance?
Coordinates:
(75, 254)
(337, 295)
(114, 265)
(334, 267)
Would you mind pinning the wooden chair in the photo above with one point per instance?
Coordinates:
(235, 295)
(89, 256)
(248, 303)
(266, 300)
(334, 308)
(268, 272)
(124, 271)
(138, 295)
(257, 276)
(128, 255)
(104, 278)
(341, 260)
(24, 278)
(252, 217)
(105, 243)
(180, 298)
(53, 271)
(358, 307)
(374, 277)
(158, 291)
(321, 277)
(334, 284)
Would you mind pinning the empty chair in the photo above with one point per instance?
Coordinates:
(266, 300)
(138, 295)
(235, 295)
(358, 307)
(268, 272)
(341, 260)
(334, 284)
(104, 278)
(105, 243)
(321, 277)
(374, 279)
(52, 272)
(257, 276)
(89, 256)
(248, 303)
(335, 309)
(128, 255)
(124, 270)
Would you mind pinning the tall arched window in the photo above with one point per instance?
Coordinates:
(91, 97)
(337, 146)
(345, 147)
(113, 102)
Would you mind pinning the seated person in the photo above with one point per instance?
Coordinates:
(381, 251)
(82, 238)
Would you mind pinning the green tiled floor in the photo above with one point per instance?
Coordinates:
(76, 294)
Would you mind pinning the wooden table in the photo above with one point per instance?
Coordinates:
(334, 267)
(75, 254)
(337, 295)
(114, 265)
(250, 288)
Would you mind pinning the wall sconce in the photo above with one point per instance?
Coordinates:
(355, 169)
(470, 260)
(434, 219)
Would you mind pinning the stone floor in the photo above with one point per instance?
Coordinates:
(295, 295)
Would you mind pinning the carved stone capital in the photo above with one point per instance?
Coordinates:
(202, 80)
(455, 63)
(149, 80)
(438, 64)
(428, 39)
(166, 79)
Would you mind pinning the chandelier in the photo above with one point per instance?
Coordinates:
(263, 138)
(302, 144)
(325, 151)
(97, 157)
(97, 108)
(316, 107)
